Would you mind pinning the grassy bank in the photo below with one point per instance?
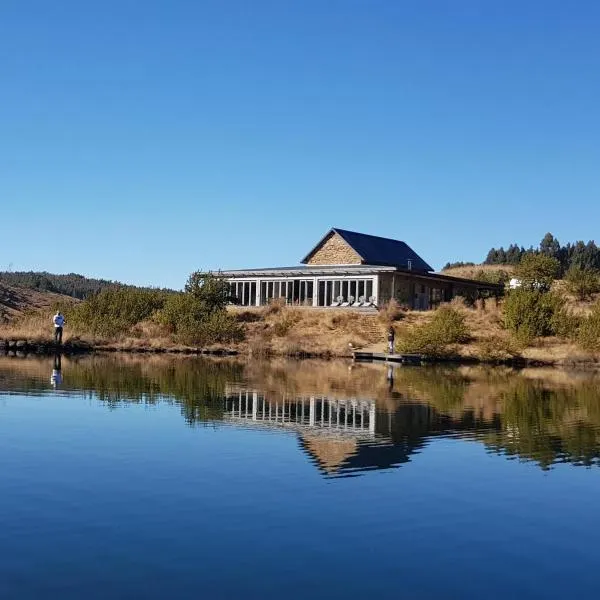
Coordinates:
(552, 324)
(453, 332)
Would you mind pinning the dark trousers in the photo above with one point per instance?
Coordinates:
(58, 335)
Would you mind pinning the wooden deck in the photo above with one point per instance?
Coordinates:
(410, 359)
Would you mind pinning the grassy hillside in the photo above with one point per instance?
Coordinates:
(16, 301)
(480, 272)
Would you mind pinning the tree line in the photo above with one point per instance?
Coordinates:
(580, 254)
(72, 284)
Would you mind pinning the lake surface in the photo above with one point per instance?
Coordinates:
(185, 478)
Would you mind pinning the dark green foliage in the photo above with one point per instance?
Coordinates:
(114, 311)
(499, 277)
(72, 284)
(447, 327)
(199, 316)
(589, 330)
(531, 313)
(212, 291)
(581, 254)
(453, 265)
(196, 316)
(537, 271)
(550, 246)
(511, 256)
(582, 282)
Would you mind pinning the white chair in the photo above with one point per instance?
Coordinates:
(359, 302)
(369, 302)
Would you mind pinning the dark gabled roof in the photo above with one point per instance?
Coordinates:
(375, 250)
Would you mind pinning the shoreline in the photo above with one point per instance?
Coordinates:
(24, 348)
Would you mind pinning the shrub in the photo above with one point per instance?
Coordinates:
(447, 327)
(191, 322)
(537, 271)
(115, 310)
(531, 313)
(499, 276)
(496, 349)
(391, 311)
(281, 327)
(582, 282)
(589, 330)
(210, 290)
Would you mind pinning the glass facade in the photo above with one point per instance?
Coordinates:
(300, 292)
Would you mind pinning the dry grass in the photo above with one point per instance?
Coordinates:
(31, 325)
(295, 331)
(17, 302)
(286, 330)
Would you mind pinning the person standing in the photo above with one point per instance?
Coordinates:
(59, 322)
(391, 339)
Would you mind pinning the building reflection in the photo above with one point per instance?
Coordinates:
(344, 437)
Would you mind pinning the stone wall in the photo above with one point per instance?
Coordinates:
(335, 251)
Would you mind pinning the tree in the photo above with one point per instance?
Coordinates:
(550, 246)
(537, 271)
(513, 255)
(211, 291)
(199, 314)
(582, 282)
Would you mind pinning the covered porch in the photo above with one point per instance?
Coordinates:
(353, 286)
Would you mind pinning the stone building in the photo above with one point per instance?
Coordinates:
(349, 269)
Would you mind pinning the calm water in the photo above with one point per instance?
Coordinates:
(160, 478)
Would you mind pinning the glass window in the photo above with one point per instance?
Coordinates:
(352, 292)
(263, 292)
(361, 288)
(321, 296)
(309, 293)
(337, 287)
(329, 294)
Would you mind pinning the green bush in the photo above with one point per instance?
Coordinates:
(531, 313)
(114, 311)
(582, 282)
(537, 271)
(589, 330)
(217, 327)
(499, 277)
(447, 327)
(198, 316)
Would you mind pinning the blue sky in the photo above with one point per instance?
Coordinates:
(140, 141)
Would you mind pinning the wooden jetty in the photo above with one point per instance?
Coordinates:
(408, 359)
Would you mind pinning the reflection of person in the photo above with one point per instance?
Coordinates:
(56, 377)
(390, 377)
(59, 322)
(391, 338)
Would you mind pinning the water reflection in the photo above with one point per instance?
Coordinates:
(348, 419)
(56, 376)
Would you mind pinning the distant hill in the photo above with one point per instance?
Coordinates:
(487, 273)
(15, 300)
(74, 285)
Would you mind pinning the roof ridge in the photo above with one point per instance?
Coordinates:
(379, 237)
